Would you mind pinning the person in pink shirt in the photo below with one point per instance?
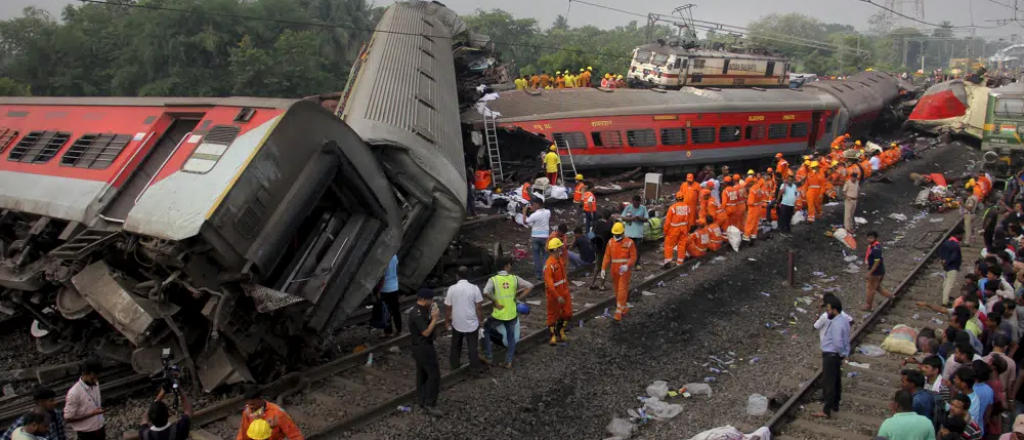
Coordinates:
(83, 409)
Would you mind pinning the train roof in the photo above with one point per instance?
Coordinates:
(516, 106)
(119, 101)
(1009, 89)
(679, 50)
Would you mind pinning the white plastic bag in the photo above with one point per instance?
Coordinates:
(658, 389)
(559, 192)
(698, 388)
(720, 433)
(798, 218)
(871, 350)
(757, 405)
(735, 237)
(661, 411)
(620, 428)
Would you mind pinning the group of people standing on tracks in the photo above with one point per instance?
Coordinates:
(567, 80)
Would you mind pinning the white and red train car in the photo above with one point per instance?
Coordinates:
(616, 128)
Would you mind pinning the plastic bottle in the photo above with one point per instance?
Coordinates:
(404, 409)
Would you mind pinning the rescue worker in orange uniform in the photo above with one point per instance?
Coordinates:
(556, 289)
(526, 192)
(577, 194)
(534, 81)
(770, 185)
(838, 174)
(738, 221)
(257, 408)
(852, 167)
(545, 80)
(801, 173)
(691, 196)
(730, 200)
(841, 141)
(865, 166)
(589, 209)
(757, 201)
(782, 166)
(815, 187)
(699, 240)
(482, 179)
(619, 257)
(677, 228)
(705, 197)
(715, 234)
(559, 80)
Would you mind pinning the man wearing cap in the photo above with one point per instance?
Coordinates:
(782, 166)
(619, 256)
(262, 420)
(691, 196)
(556, 288)
(422, 323)
(677, 229)
(814, 185)
(577, 193)
(551, 162)
(504, 290)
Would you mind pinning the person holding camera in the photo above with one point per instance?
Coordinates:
(82, 406)
(156, 423)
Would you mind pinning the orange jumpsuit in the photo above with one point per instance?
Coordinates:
(783, 168)
(769, 186)
(715, 234)
(815, 187)
(755, 205)
(577, 194)
(851, 170)
(534, 81)
(731, 198)
(985, 184)
(716, 211)
(839, 175)
(801, 173)
(698, 243)
(865, 167)
(620, 255)
(282, 425)
(691, 193)
(556, 285)
(741, 202)
(839, 141)
(677, 227)
(702, 210)
(565, 255)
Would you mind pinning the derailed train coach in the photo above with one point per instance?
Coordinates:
(237, 232)
(620, 128)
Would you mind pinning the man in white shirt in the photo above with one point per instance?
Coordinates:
(82, 406)
(539, 224)
(464, 313)
(876, 163)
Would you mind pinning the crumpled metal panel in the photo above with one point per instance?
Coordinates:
(267, 299)
(219, 365)
(132, 316)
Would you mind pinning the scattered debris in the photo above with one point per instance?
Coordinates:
(852, 268)
(900, 217)
(718, 259)
(646, 293)
(860, 220)
(871, 350)
(766, 294)
(757, 405)
(935, 219)
(621, 428)
(850, 258)
(859, 365)
(535, 302)
(697, 388)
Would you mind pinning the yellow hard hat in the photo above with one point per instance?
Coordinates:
(581, 70)
(750, 172)
(558, 72)
(857, 143)
(814, 164)
(807, 162)
(969, 184)
(807, 157)
(259, 429)
(893, 144)
(553, 148)
(834, 163)
(554, 243)
(579, 177)
(620, 76)
(618, 228)
(590, 68)
(497, 190)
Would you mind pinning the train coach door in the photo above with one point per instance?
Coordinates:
(812, 137)
(141, 172)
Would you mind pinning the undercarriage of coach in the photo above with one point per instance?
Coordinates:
(135, 299)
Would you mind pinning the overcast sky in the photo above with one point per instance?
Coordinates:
(734, 12)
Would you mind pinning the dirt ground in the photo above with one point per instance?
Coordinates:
(739, 309)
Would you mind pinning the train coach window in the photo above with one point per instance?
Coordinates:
(798, 130)
(755, 132)
(699, 63)
(778, 131)
(213, 145)
(729, 133)
(641, 138)
(7, 135)
(606, 139)
(703, 135)
(95, 150)
(38, 146)
(679, 62)
(673, 136)
(570, 141)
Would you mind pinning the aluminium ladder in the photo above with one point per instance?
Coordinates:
(561, 164)
(493, 152)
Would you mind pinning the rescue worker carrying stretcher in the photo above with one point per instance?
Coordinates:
(556, 289)
(619, 257)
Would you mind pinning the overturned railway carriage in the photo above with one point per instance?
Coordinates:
(626, 127)
(219, 228)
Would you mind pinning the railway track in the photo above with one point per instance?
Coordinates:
(360, 388)
(866, 395)
(118, 382)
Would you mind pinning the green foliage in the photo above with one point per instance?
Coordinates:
(10, 87)
(254, 47)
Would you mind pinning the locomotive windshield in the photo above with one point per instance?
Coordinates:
(642, 56)
(1009, 107)
(659, 59)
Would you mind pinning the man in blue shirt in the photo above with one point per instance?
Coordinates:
(950, 258)
(964, 380)
(634, 217)
(835, 346)
(787, 203)
(875, 273)
(389, 300)
(924, 402)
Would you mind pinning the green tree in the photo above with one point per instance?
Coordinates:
(10, 87)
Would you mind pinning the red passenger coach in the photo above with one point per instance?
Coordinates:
(625, 127)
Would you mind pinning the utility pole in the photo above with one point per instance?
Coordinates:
(904, 52)
(841, 38)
